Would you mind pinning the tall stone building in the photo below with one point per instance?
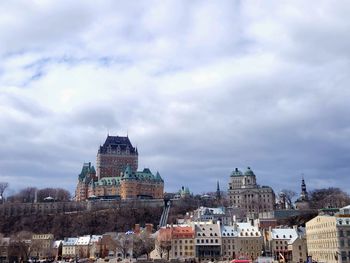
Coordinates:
(116, 176)
(114, 155)
(245, 194)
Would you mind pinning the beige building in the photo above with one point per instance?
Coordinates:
(245, 194)
(286, 244)
(249, 242)
(69, 247)
(182, 242)
(328, 238)
(83, 246)
(41, 246)
(4, 248)
(229, 236)
(208, 240)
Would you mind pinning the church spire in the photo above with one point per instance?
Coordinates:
(303, 194)
(218, 192)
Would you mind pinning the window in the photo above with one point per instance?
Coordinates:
(343, 256)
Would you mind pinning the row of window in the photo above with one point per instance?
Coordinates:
(185, 241)
(207, 241)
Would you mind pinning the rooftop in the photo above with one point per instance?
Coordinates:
(117, 144)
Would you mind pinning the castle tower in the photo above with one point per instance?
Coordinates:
(114, 155)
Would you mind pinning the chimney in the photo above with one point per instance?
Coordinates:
(137, 229)
(149, 228)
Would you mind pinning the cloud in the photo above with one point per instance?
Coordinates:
(200, 88)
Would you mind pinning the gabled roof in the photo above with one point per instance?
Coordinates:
(128, 174)
(86, 169)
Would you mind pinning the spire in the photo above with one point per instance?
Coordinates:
(303, 194)
(218, 192)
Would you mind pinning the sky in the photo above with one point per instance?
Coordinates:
(200, 87)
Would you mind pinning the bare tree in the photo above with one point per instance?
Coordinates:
(57, 194)
(143, 244)
(329, 197)
(124, 244)
(26, 195)
(3, 186)
(164, 242)
(20, 245)
(289, 195)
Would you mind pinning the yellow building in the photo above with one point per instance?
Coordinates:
(328, 238)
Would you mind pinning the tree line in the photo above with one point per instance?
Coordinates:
(83, 223)
(31, 194)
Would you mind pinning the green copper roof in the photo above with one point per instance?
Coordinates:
(87, 169)
(105, 181)
(236, 172)
(128, 174)
(158, 177)
(249, 172)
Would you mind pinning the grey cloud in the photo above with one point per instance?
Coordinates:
(201, 89)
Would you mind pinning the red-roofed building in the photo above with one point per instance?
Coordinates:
(182, 242)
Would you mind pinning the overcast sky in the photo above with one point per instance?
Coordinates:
(201, 87)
